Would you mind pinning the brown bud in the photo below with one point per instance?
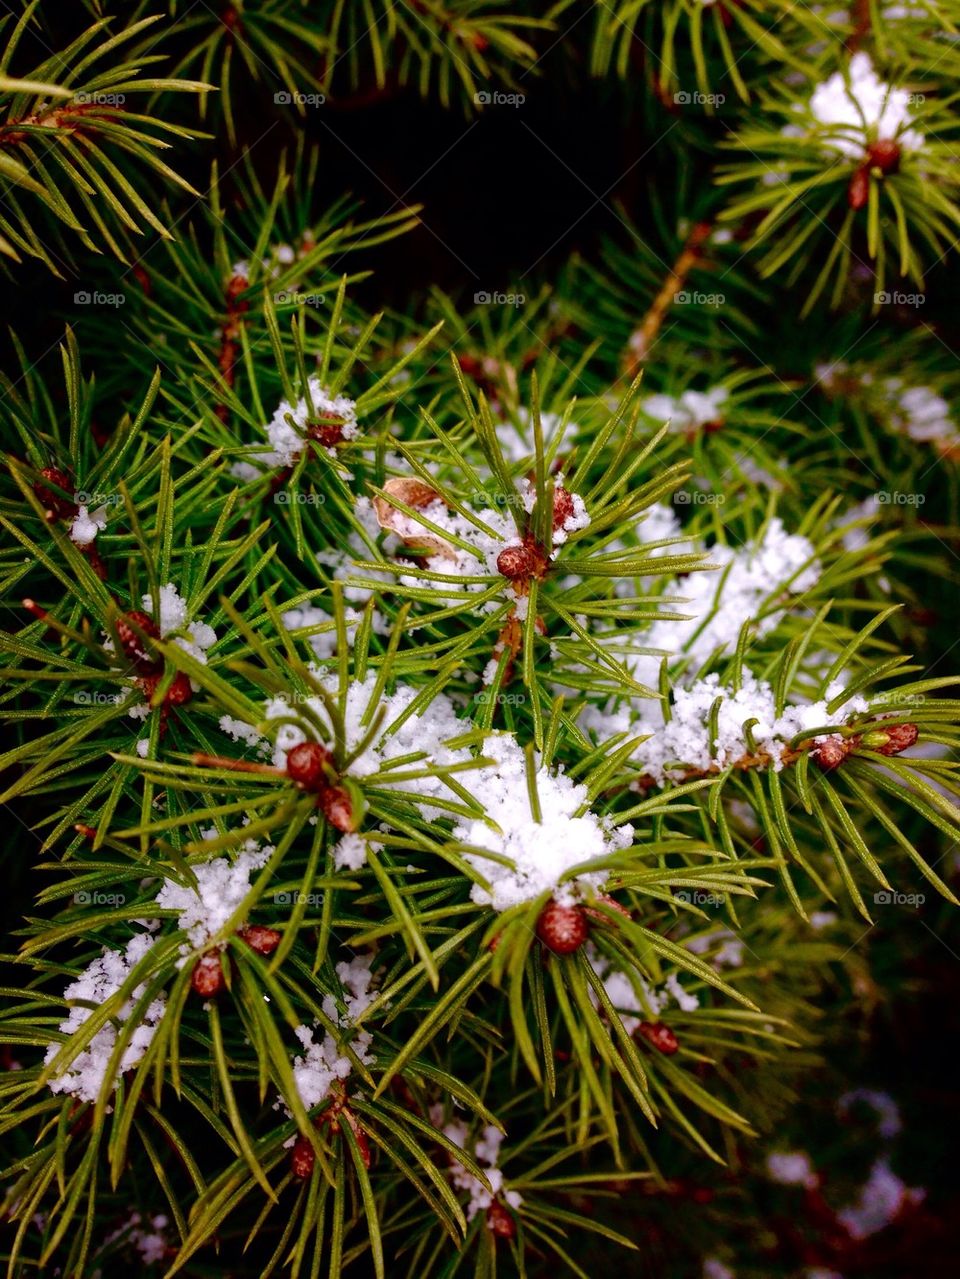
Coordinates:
(562, 929)
(500, 1221)
(261, 939)
(831, 753)
(207, 978)
(305, 765)
(858, 191)
(884, 155)
(302, 1159)
(516, 563)
(659, 1036)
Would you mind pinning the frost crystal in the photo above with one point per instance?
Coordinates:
(85, 1076)
(87, 524)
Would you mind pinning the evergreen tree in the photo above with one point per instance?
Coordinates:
(473, 762)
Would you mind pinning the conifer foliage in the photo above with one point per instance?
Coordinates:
(453, 750)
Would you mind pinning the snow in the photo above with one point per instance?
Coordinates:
(920, 413)
(286, 430)
(86, 1076)
(324, 642)
(173, 621)
(322, 1064)
(684, 741)
(729, 953)
(486, 1151)
(792, 1170)
(716, 604)
(222, 885)
(423, 734)
(350, 853)
(881, 1103)
(625, 993)
(86, 525)
(850, 112)
(540, 852)
(147, 1236)
(881, 1200)
(688, 411)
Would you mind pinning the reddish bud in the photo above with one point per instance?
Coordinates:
(136, 649)
(261, 939)
(563, 508)
(305, 765)
(562, 929)
(892, 740)
(302, 1159)
(659, 1036)
(858, 191)
(58, 504)
(327, 430)
(516, 563)
(612, 904)
(207, 978)
(337, 808)
(180, 690)
(500, 1222)
(884, 155)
